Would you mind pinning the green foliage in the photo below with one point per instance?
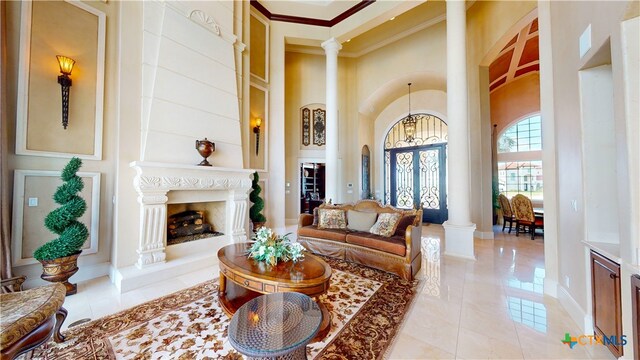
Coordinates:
(271, 248)
(255, 212)
(62, 221)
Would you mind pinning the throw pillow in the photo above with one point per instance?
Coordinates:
(386, 224)
(360, 220)
(404, 222)
(331, 219)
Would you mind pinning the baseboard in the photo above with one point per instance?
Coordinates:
(551, 288)
(485, 235)
(581, 317)
(85, 272)
(459, 256)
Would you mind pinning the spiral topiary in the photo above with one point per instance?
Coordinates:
(255, 212)
(62, 221)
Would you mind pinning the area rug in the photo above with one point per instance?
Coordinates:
(367, 308)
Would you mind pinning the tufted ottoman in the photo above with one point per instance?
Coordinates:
(29, 318)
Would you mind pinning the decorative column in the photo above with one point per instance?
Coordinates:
(458, 228)
(331, 48)
(153, 222)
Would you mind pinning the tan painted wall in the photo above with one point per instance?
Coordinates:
(306, 85)
(514, 101)
(605, 18)
(98, 263)
(59, 28)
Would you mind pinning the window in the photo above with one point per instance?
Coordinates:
(520, 177)
(526, 135)
(520, 159)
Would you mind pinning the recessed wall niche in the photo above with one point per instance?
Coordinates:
(75, 30)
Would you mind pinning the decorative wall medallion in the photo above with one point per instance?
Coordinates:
(319, 130)
(306, 126)
(205, 20)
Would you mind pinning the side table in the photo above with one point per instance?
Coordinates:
(275, 326)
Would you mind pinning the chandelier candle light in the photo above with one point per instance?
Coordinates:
(271, 248)
(409, 123)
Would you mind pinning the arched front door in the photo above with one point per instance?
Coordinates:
(415, 170)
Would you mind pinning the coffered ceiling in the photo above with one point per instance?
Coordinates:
(517, 58)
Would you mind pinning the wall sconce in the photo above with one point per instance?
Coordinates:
(256, 130)
(66, 66)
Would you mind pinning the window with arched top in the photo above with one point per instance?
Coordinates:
(520, 159)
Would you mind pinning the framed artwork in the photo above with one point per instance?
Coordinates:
(306, 126)
(39, 130)
(319, 127)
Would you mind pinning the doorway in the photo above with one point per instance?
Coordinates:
(312, 186)
(419, 178)
(416, 167)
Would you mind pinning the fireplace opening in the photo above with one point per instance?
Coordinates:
(194, 221)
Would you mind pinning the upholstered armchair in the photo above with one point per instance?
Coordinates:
(507, 213)
(525, 218)
(29, 318)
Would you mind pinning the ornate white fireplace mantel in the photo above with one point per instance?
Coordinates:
(155, 180)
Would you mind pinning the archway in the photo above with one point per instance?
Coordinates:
(415, 167)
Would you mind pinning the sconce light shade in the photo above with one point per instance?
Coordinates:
(66, 64)
(256, 130)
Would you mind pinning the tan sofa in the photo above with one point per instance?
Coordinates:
(399, 254)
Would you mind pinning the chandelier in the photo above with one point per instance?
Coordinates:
(409, 123)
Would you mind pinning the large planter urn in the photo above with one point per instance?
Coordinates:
(60, 270)
(257, 225)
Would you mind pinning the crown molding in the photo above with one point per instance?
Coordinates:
(310, 21)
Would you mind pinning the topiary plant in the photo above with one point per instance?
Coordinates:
(62, 221)
(255, 212)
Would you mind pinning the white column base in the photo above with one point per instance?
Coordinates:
(458, 240)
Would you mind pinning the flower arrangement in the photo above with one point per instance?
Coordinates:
(271, 248)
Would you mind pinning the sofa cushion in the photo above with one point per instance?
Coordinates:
(404, 222)
(331, 219)
(329, 234)
(360, 220)
(386, 224)
(393, 245)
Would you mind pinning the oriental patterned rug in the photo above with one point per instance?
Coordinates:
(367, 307)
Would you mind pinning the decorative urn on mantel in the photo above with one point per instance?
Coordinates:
(205, 149)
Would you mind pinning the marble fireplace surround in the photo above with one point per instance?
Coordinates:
(159, 184)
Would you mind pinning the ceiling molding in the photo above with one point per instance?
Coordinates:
(310, 21)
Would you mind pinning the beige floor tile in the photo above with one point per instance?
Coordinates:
(409, 347)
(474, 345)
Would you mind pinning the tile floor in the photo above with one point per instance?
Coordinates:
(489, 308)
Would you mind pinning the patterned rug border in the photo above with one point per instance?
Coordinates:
(386, 309)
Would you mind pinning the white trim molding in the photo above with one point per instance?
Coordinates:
(18, 213)
(24, 66)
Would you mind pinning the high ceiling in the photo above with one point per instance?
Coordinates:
(517, 58)
(316, 9)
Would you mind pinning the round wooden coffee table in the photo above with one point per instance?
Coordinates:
(243, 279)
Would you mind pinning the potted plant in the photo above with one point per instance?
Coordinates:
(59, 257)
(255, 212)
